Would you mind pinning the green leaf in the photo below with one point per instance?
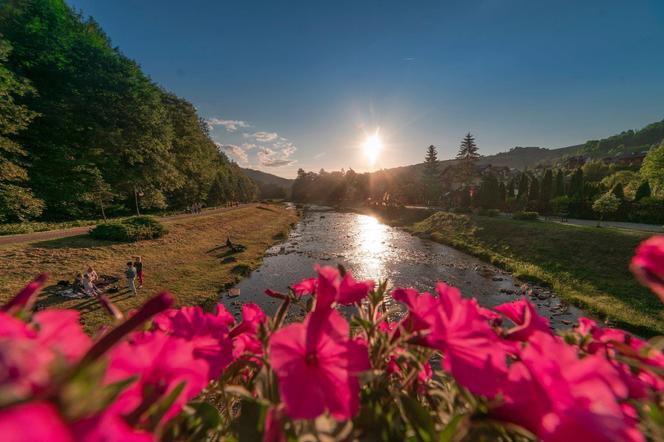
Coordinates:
(447, 435)
(252, 416)
(419, 419)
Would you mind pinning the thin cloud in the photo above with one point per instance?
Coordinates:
(263, 137)
(229, 125)
(276, 157)
(248, 146)
(235, 150)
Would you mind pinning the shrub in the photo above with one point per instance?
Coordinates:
(525, 216)
(131, 229)
(489, 212)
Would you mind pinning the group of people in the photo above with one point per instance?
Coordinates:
(195, 208)
(134, 271)
(85, 282)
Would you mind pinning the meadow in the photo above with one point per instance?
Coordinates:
(187, 261)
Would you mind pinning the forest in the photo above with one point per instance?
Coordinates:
(570, 186)
(85, 133)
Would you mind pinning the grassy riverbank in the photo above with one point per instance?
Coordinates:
(586, 266)
(184, 261)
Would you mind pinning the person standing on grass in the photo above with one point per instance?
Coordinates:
(138, 265)
(130, 273)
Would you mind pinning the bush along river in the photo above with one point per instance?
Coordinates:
(372, 250)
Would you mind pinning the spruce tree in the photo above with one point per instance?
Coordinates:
(431, 174)
(642, 192)
(576, 184)
(560, 184)
(618, 191)
(523, 187)
(534, 191)
(546, 191)
(468, 155)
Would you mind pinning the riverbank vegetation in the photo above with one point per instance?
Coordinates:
(88, 134)
(586, 266)
(187, 261)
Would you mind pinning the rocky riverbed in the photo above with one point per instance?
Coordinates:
(374, 250)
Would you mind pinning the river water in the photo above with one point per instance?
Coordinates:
(372, 250)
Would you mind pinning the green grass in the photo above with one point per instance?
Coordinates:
(586, 266)
(36, 226)
(187, 261)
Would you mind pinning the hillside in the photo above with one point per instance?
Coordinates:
(270, 186)
(528, 157)
(85, 129)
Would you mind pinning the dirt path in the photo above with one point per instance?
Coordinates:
(63, 233)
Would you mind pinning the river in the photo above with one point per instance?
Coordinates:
(372, 250)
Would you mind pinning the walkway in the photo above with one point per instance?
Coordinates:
(55, 234)
(615, 224)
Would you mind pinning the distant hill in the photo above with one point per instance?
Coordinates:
(626, 142)
(270, 186)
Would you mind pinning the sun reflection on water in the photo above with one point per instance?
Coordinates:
(371, 245)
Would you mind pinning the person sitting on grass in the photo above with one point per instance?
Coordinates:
(130, 273)
(88, 287)
(92, 274)
(77, 287)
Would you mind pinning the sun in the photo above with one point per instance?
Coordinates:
(372, 147)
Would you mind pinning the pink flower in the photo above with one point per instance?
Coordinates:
(273, 431)
(33, 421)
(523, 314)
(246, 343)
(25, 299)
(161, 363)
(556, 395)
(109, 427)
(305, 287)
(648, 264)
(207, 332)
(454, 326)
(331, 287)
(317, 365)
(61, 331)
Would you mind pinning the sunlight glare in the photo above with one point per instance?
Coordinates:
(372, 147)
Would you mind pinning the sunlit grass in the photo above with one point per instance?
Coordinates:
(184, 261)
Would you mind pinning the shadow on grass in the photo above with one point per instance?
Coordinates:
(265, 208)
(50, 298)
(72, 242)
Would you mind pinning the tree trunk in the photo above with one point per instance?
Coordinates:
(138, 212)
(103, 213)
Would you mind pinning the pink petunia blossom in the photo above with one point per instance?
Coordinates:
(60, 330)
(25, 299)
(330, 287)
(317, 365)
(246, 343)
(524, 315)
(33, 421)
(305, 287)
(454, 326)
(648, 264)
(109, 427)
(161, 362)
(556, 395)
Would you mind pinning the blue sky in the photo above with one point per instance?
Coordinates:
(301, 83)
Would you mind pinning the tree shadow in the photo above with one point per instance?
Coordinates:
(72, 242)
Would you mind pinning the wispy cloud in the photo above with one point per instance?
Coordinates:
(238, 153)
(278, 157)
(263, 137)
(229, 125)
(248, 146)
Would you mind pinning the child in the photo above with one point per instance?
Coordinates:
(89, 287)
(92, 274)
(139, 271)
(131, 276)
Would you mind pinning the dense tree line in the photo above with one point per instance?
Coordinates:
(83, 129)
